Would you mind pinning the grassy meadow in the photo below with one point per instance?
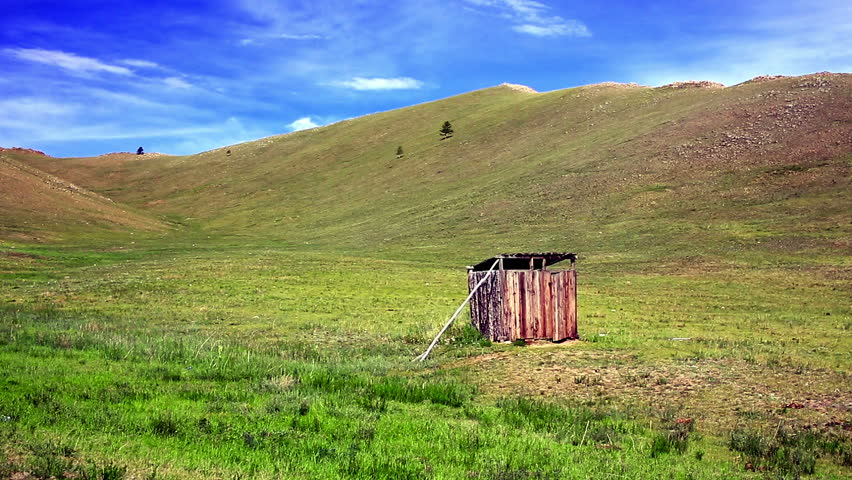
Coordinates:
(254, 312)
(170, 359)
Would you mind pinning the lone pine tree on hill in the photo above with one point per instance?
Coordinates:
(446, 130)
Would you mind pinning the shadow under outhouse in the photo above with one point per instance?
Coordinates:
(521, 299)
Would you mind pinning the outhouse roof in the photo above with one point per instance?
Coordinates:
(521, 261)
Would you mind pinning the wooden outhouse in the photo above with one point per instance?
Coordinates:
(521, 299)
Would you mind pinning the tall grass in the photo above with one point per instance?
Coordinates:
(790, 451)
(199, 407)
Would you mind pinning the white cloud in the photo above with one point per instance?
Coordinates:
(378, 83)
(176, 82)
(29, 120)
(25, 117)
(527, 8)
(116, 131)
(65, 60)
(570, 27)
(303, 123)
(532, 18)
(278, 36)
(288, 36)
(140, 63)
(17, 108)
(100, 96)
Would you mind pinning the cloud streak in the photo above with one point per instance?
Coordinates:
(560, 29)
(133, 62)
(67, 61)
(14, 109)
(177, 82)
(378, 83)
(260, 40)
(532, 18)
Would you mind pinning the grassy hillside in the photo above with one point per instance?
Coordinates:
(605, 168)
(39, 206)
(269, 331)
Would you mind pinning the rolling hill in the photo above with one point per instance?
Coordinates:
(38, 206)
(682, 171)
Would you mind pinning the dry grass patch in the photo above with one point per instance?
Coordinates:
(718, 393)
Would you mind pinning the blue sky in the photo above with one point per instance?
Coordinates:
(82, 78)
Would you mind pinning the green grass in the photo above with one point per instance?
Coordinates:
(197, 409)
(229, 361)
(788, 451)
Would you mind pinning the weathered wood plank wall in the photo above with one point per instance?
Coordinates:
(564, 291)
(486, 306)
(547, 305)
(531, 304)
(570, 292)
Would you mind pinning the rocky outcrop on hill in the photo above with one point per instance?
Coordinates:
(803, 119)
(764, 78)
(694, 84)
(519, 88)
(23, 150)
(132, 155)
(619, 85)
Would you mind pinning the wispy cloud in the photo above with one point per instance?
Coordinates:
(176, 82)
(14, 109)
(562, 28)
(378, 83)
(115, 131)
(68, 61)
(44, 122)
(121, 99)
(303, 123)
(140, 63)
(289, 36)
(261, 39)
(280, 20)
(533, 18)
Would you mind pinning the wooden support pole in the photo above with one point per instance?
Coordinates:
(450, 321)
